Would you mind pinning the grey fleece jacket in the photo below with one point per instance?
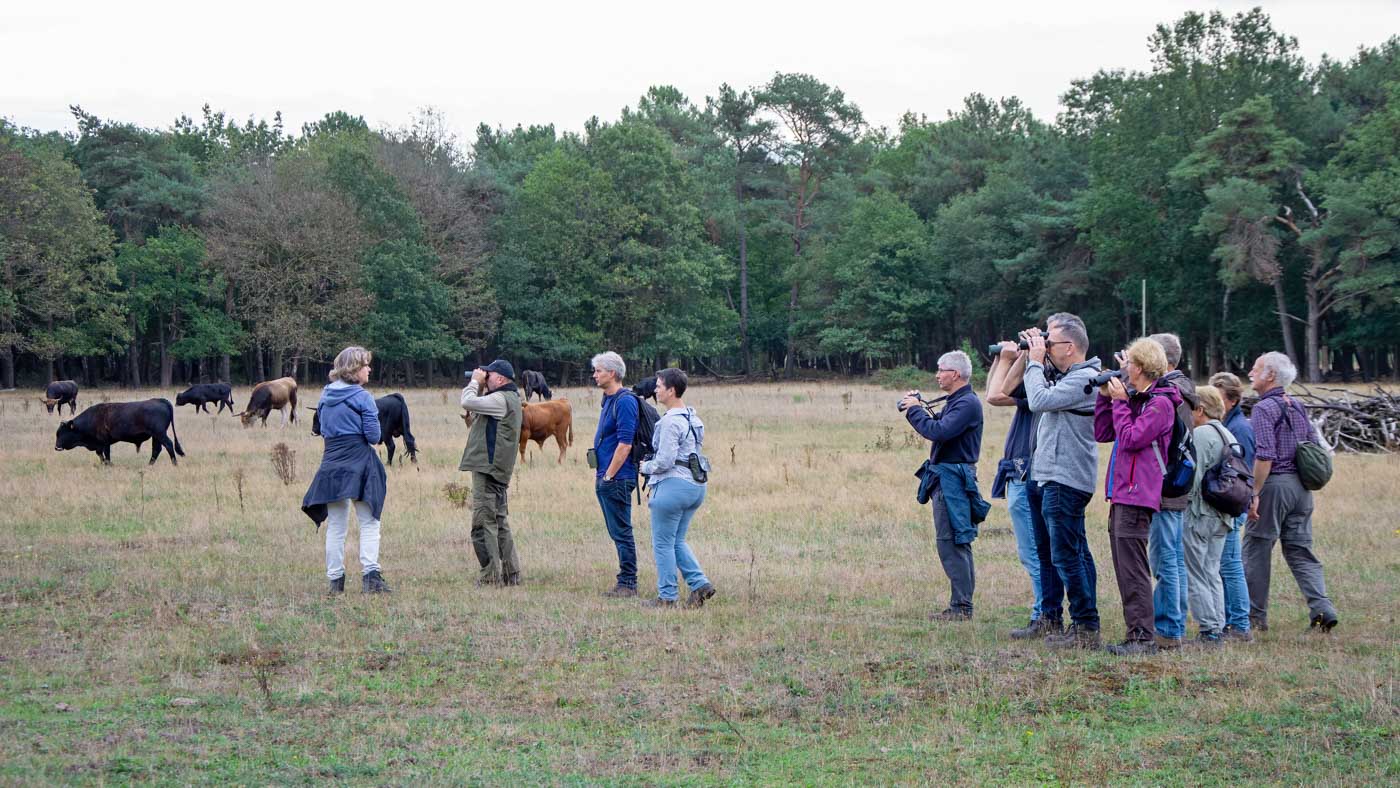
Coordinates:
(1065, 450)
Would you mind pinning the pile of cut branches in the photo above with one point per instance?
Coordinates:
(1351, 421)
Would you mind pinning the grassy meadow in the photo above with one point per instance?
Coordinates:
(169, 624)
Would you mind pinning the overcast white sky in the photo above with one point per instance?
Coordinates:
(504, 63)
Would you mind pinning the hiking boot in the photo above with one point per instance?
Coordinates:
(1038, 628)
(1258, 624)
(620, 591)
(337, 586)
(514, 580)
(1236, 634)
(699, 595)
(1131, 648)
(1324, 622)
(1167, 644)
(373, 583)
(1074, 637)
(656, 603)
(949, 614)
(1207, 640)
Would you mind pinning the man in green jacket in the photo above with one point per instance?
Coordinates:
(493, 404)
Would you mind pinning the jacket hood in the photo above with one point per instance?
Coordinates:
(1183, 385)
(1165, 388)
(339, 391)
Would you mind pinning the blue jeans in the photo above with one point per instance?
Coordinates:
(1050, 601)
(1167, 559)
(1063, 508)
(1232, 573)
(615, 497)
(1019, 506)
(673, 504)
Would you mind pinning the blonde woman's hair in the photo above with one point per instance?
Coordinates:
(1149, 357)
(349, 363)
(1211, 402)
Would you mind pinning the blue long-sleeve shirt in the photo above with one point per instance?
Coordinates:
(956, 432)
(616, 424)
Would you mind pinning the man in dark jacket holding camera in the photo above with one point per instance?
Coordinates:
(956, 434)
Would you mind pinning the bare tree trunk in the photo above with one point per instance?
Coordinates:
(7, 366)
(1312, 333)
(1282, 306)
(167, 362)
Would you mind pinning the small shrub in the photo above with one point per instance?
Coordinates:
(884, 441)
(457, 494)
(284, 463)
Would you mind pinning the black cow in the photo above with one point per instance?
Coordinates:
(201, 394)
(535, 383)
(393, 423)
(60, 393)
(646, 389)
(104, 424)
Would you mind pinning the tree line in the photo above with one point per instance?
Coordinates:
(1254, 197)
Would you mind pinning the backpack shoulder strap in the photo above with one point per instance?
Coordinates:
(1233, 445)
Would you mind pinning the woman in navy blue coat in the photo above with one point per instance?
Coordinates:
(351, 474)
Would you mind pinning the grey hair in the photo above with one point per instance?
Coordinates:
(611, 362)
(958, 361)
(1073, 326)
(1285, 371)
(1172, 344)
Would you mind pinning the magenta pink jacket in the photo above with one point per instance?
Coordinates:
(1134, 475)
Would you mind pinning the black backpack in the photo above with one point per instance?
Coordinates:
(1179, 467)
(642, 442)
(1228, 485)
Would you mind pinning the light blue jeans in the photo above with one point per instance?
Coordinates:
(1019, 506)
(1232, 574)
(1167, 558)
(674, 502)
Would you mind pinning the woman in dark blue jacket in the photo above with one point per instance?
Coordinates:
(350, 473)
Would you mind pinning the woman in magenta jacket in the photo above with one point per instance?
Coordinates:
(1138, 421)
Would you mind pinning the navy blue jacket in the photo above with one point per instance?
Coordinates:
(1238, 425)
(956, 432)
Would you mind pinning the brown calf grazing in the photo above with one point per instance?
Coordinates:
(270, 395)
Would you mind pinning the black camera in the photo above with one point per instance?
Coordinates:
(927, 403)
(1103, 378)
(993, 350)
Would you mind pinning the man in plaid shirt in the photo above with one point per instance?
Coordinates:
(1282, 508)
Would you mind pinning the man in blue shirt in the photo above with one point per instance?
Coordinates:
(956, 434)
(616, 476)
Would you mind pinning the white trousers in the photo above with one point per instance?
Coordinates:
(337, 523)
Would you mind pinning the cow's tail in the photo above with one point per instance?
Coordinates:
(571, 426)
(180, 450)
(409, 443)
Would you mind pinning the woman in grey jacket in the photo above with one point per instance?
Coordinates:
(675, 494)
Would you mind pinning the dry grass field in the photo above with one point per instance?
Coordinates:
(125, 588)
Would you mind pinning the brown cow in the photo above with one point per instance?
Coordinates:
(540, 420)
(268, 396)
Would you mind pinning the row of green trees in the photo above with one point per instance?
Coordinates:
(1255, 197)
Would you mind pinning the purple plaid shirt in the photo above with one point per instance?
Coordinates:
(1276, 437)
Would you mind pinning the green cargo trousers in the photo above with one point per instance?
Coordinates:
(491, 537)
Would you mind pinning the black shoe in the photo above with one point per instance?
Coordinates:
(949, 614)
(699, 595)
(337, 586)
(1237, 634)
(1324, 622)
(373, 583)
(1131, 648)
(514, 580)
(657, 602)
(1208, 640)
(1074, 637)
(620, 591)
(1038, 628)
(1258, 624)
